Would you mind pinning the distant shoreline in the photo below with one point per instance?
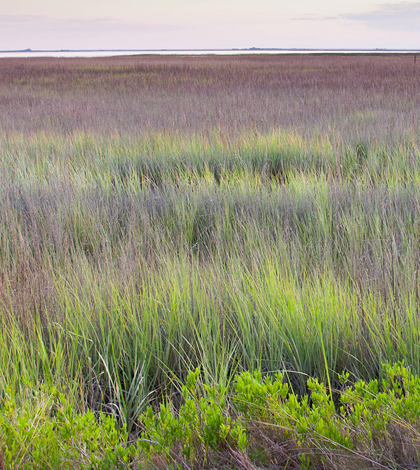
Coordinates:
(251, 49)
(91, 53)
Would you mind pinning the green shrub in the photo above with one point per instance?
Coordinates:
(363, 425)
(202, 423)
(45, 431)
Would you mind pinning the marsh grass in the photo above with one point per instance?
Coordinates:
(363, 98)
(202, 229)
(108, 271)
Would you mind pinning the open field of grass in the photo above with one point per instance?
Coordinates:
(162, 214)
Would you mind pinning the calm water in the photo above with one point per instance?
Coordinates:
(192, 52)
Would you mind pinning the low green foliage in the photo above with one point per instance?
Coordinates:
(202, 423)
(44, 431)
(256, 421)
(367, 423)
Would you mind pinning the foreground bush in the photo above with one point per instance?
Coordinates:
(258, 423)
(46, 432)
(264, 424)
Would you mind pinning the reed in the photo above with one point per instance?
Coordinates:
(163, 214)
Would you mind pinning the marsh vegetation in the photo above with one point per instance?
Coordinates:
(231, 214)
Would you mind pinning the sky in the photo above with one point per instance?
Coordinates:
(208, 24)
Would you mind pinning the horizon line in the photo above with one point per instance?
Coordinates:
(378, 49)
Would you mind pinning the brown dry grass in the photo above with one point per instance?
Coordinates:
(359, 97)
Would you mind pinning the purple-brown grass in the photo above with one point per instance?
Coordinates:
(359, 97)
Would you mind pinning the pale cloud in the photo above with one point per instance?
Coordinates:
(403, 16)
(313, 17)
(16, 19)
(76, 24)
(43, 32)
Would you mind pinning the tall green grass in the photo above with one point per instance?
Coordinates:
(126, 262)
